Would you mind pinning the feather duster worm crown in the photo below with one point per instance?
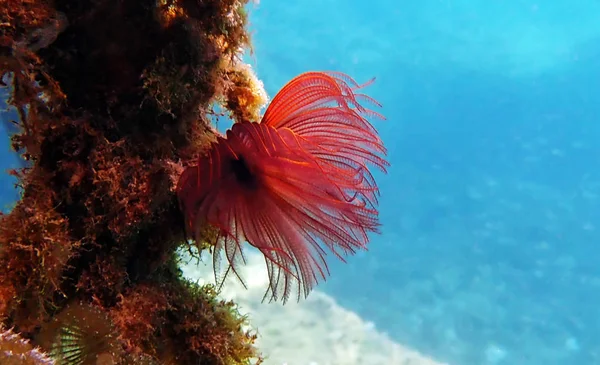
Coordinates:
(296, 185)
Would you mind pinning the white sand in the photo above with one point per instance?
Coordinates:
(316, 331)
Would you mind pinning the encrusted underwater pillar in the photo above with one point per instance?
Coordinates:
(112, 97)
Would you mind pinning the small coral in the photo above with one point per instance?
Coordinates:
(16, 351)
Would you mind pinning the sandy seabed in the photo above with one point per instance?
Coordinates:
(315, 331)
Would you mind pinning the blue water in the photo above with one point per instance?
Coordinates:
(8, 159)
(488, 252)
(490, 211)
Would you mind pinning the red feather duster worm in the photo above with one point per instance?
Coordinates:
(295, 186)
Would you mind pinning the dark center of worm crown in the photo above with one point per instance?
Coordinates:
(242, 172)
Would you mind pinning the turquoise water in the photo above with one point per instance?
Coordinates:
(488, 252)
(8, 159)
(489, 247)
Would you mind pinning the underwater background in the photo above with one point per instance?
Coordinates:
(488, 252)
